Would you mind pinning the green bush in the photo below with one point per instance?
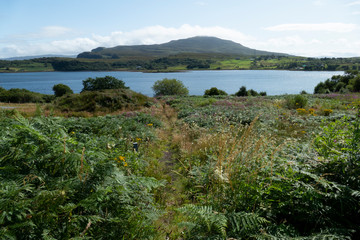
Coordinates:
(169, 87)
(242, 92)
(101, 101)
(350, 81)
(297, 101)
(61, 89)
(214, 92)
(16, 95)
(101, 83)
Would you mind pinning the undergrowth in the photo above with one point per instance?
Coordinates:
(205, 168)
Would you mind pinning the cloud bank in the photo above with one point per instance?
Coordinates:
(148, 35)
(65, 41)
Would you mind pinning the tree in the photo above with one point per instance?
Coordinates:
(101, 83)
(242, 92)
(169, 87)
(252, 92)
(61, 89)
(356, 85)
(214, 91)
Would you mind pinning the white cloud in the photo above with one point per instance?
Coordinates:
(297, 44)
(159, 34)
(148, 35)
(54, 31)
(329, 27)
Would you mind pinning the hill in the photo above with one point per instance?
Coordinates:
(194, 45)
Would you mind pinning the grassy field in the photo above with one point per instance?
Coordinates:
(278, 167)
(28, 67)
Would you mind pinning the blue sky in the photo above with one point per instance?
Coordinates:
(313, 28)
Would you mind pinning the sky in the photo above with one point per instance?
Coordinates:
(311, 28)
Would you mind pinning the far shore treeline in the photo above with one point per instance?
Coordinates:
(181, 63)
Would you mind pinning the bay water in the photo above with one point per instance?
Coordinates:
(274, 82)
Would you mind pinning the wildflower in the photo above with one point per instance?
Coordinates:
(110, 145)
(303, 132)
(327, 112)
(121, 158)
(73, 132)
(138, 139)
(125, 164)
(301, 111)
(150, 124)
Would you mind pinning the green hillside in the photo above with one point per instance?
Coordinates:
(199, 45)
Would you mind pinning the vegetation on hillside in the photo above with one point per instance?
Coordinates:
(182, 62)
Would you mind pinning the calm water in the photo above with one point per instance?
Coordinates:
(273, 82)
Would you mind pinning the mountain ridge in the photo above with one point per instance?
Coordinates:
(197, 45)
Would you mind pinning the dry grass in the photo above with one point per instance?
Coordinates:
(28, 109)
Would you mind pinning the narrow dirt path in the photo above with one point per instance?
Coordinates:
(172, 196)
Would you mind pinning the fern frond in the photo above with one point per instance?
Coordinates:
(204, 220)
(245, 224)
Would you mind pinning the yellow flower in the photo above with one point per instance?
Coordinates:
(72, 132)
(125, 164)
(301, 111)
(327, 112)
(150, 124)
(121, 158)
(138, 139)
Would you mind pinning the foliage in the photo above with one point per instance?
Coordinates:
(242, 92)
(101, 83)
(236, 168)
(297, 101)
(169, 87)
(349, 82)
(16, 95)
(101, 101)
(61, 89)
(59, 179)
(214, 92)
(251, 92)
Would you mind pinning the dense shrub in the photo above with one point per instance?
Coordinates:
(101, 83)
(214, 92)
(61, 89)
(72, 179)
(242, 92)
(350, 81)
(101, 101)
(297, 101)
(251, 92)
(169, 87)
(16, 95)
